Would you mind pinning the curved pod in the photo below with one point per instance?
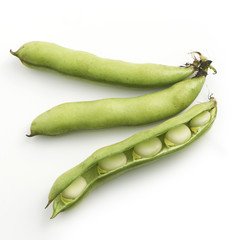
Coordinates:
(113, 112)
(50, 56)
(89, 168)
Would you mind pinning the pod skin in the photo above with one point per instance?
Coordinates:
(50, 56)
(113, 112)
(88, 168)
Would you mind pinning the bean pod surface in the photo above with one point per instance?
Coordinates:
(139, 149)
(45, 55)
(113, 112)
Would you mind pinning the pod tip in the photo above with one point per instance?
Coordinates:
(13, 53)
(54, 215)
(30, 135)
(48, 204)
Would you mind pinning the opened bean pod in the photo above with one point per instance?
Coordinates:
(45, 55)
(141, 148)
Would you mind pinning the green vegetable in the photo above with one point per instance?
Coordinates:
(50, 56)
(121, 156)
(120, 111)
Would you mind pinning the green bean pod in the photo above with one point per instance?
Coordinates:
(113, 112)
(115, 159)
(50, 56)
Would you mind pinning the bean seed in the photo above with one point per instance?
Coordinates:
(200, 119)
(148, 148)
(177, 135)
(112, 162)
(75, 188)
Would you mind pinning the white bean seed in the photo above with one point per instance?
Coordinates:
(178, 135)
(113, 162)
(148, 148)
(201, 119)
(75, 188)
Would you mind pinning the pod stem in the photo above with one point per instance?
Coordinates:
(203, 67)
(211, 97)
(203, 62)
(194, 64)
(213, 69)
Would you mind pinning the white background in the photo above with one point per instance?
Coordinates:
(193, 194)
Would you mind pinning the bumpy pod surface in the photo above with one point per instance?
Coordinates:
(89, 169)
(113, 112)
(50, 56)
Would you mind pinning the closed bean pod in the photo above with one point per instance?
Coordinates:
(91, 168)
(50, 56)
(113, 112)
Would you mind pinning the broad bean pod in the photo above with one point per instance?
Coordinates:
(45, 55)
(139, 149)
(113, 112)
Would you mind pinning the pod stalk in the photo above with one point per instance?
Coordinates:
(202, 60)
